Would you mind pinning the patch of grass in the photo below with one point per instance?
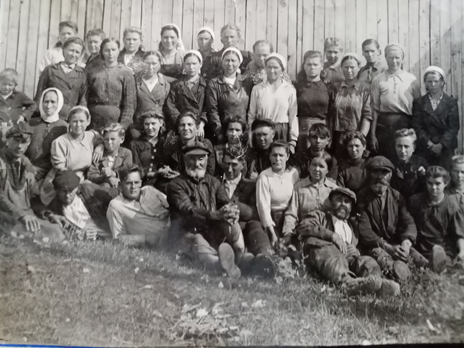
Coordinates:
(104, 294)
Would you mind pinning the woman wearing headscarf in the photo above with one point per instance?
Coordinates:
(225, 95)
(46, 129)
(205, 40)
(275, 99)
(392, 93)
(172, 52)
(436, 120)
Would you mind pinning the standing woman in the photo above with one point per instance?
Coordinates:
(316, 98)
(352, 103)
(172, 52)
(132, 54)
(392, 93)
(66, 76)
(274, 190)
(275, 99)
(188, 93)
(111, 89)
(436, 120)
(205, 40)
(226, 95)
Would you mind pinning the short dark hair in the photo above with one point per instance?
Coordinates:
(438, 172)
(323, 156)
(279, 143)
(74, 40)
(370, 42)
(68, 24)
(308, 55)
(107, 40)
(152, 53)
(233, 119)
(188, 113)
(351, 135)
(125, 172)
(319, 129)
(96, 32)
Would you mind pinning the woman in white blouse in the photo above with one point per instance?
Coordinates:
(275, 99)
(274, 190)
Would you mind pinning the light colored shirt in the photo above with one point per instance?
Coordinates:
(67, 68)
(53, 56)
(306, 198)
(434, 103)
(231, 185)
(128, 57)
(76, 212)
(279, 106)
(368, 72)
(147, 215)
(150, 84)
(394, 93)
(273, 193)
(230, 80)
(342, 228)
(353, 104)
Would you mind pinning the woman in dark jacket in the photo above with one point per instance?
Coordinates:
(226, 95)
(132, 54)
(188, 93)
(436, 120)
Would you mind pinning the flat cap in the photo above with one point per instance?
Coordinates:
(262, 122)
(345, 191)
(380, 162)
(21, 129)
(66, 180)
(196, 148)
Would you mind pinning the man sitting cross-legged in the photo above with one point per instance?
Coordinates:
(139, 215)
(329, 240)
(205, 221)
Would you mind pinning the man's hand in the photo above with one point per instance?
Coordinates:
(90, 234)
(272, 236)
(113, 181)
(58, 219)
(338, 241)
(201, 130)
(107, 172)
(421, 171)
(21, 119)
(291, 147)
(351, 251)
(254, 176)
(98, 153)
(31, 222)
(436, 149)
(397, 252)
(374, 143)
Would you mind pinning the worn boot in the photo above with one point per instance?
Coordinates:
(437, 261)
(388, 288)
(264, 266)
(227, 260)
(400, 271)
(357, 286)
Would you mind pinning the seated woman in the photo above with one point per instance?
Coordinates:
(66, 76)
(275, 99)
(188, 93)
(148, 153)
(309, 194)
(46, 129)
(74, 151)
(436, 120)
(226, 95)
(352, 103)
(132, 54)
(205, 41)
(115, 158)
(352, 170)
(274, 191)
(172, 52)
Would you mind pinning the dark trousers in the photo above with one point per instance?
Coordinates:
(256, 239)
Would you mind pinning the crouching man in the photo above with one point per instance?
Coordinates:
(205, 222)
(139, 215)
(19, 196)
(329, 241)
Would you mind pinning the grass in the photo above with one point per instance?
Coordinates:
(102, 294)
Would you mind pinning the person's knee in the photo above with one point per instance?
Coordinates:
(364, 266)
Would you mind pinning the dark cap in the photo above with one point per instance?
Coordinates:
(380, 162)
(21, 129)
(262, 122)
(196, 148)
(345, 191)
(66, 180)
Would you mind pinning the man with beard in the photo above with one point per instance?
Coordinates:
(329, 241)
(205, 222)
(386, 228)
(263, 131)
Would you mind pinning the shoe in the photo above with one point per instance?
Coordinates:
(437, 261)
(264, 266)
(389, 288)
(357, 286)
(400, 271)
(246, 264)
(227, 260)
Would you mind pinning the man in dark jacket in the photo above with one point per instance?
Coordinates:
(386, 228)
(263, 131)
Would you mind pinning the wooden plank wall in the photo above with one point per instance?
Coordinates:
(431, 30)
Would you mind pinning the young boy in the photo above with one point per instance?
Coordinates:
(375, 65)
(457, 176)
(93, 40)
(15, 107)
(55, 55)
(115, 158)
(332, 70)
(440, 223)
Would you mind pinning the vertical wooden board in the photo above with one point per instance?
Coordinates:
(350, 16)
(125, 16)
(307, 34)
(382, 23)
(361, 24)
(292, 38)
(146, 23)
(13, 34)
(371, 20)
(98, 9)
(188, 31)
(23, 42)
(240, 20)
(260, 18)
(66, 10)
(424, 38)
(81, 7)
(282, 36)
(89, 14)
(55, 19)
(459, 96)
(445, 40)
(229, 11)
(177, 11)
(271, 28)
(198, 18)
(404, 31)
(116, 19)
(166, 11)
(393, 21)
(339, 21)
(299, 39)
(435, 34)
(218, 19)
(208, 20)
(136, 14)
(107, 17)
(456, 58)
(31, 52)
(42, 41)
(4, 14)
(319, 9)
(412, 29)
(329, 19)
(251, 24)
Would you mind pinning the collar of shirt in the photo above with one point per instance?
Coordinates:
(395, 74)
(72, 140)
(5, 97)
(433, 101)
(306, 182)
(234, 181)
(11, 159)
(191, 82)
(67, 67)
(343, 229)
(355, 86)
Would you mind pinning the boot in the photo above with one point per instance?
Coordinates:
(357, 286)
(264, 266)
(227, 260)
(437, 261)
(388, 288)
(400, 271)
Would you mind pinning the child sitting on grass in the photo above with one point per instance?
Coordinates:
(440, 223)
(106, 171)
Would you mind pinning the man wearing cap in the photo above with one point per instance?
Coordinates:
(263, 131)
(386, 228)
(329, 240)
(205, 221)
(19, 196)
(139, 215)
(81, 209)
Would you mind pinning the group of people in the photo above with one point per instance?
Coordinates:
(219, 155)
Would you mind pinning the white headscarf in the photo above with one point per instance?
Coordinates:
(235, 50)
(55, 117)
(180, 43)
(279, 57)
(195, 52)
(435, 69)
(208, 30)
